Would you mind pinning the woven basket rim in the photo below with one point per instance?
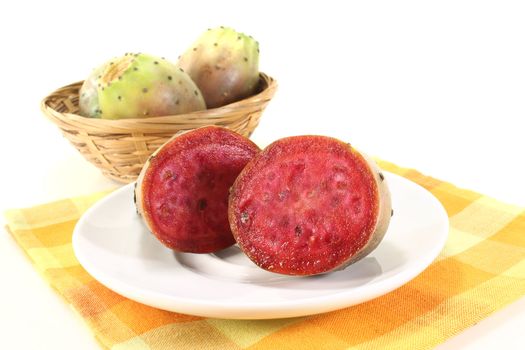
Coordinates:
(131, 123)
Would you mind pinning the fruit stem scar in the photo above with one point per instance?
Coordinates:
(115, 69)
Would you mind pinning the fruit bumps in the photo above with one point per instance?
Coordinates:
(308, 205)
(224, 64)
(182, 191)
(138, 86)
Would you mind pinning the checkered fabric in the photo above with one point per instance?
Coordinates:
(480, 270)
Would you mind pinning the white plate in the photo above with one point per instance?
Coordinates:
(114, 246)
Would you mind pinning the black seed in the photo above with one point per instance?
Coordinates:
(102, 88)
(100, 76)
(177, 102)
(196, 92)
(381, 176)
(120, 98)
(214, 44)
(135, 68)
(155, 62)
(392, 212)
(99, 85)
(245, 59)
(239, 37)
(167, 175)
(120, 77)
(298, 230)
(100, 111)
(257, 50)
(83, 94)
(110, 63)
(182, 70)
(144, 90)
(194, 49)
(222, 27)
(169, 77)
(201, 204)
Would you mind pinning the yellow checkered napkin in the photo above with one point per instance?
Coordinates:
(481, 269)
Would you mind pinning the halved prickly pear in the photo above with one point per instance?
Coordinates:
(182, 191)
(308, 205)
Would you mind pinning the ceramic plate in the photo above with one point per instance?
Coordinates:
(114, 246)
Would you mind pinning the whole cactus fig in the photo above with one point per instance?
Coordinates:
(138, 86)
(224, 64)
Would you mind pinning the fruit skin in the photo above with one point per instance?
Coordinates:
(88, 99)
(274, 248)
(202, 165)
(224, 64)
(138, 86)
(384, 214)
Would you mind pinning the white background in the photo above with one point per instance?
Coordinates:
(438, 86)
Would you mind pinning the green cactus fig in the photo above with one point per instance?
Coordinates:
(138, 86)
(224, 64)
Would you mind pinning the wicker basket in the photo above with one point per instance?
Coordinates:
(120, 147)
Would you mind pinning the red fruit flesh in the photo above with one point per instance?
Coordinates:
(186, 186)
(305, 205)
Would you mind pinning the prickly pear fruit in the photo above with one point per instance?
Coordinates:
(224, 64)
(138, 86)
(307, 205)
(182, 191)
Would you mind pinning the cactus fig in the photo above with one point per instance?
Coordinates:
(308, 205)
(138, 86)
(182, 191)
(224, 64)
